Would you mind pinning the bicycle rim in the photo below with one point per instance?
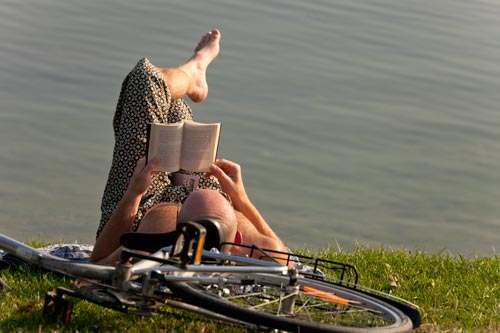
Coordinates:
(264, 300)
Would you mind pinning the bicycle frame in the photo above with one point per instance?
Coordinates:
(53, 263)
(122, 275)
(158, 262)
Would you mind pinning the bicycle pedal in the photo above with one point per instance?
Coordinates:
(56, 307)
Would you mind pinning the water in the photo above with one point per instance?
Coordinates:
(372, 122)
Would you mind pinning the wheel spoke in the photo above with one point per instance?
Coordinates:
(311, 305)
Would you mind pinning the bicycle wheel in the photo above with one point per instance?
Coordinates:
(310, 306)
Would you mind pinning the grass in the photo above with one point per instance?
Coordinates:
(454, 293)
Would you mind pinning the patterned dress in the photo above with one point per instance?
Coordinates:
(144, 97)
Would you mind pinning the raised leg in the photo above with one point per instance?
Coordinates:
(190, 78)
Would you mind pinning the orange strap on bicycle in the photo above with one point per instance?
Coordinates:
(326, 296)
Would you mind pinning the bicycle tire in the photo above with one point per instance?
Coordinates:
(320, 310)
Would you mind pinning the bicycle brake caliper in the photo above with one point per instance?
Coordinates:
(189, 244)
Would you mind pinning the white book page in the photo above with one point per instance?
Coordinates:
(199, 146)
(165, 144)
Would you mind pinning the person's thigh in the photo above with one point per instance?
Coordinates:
(160, 218)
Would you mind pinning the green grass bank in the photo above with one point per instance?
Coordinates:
(454, 293)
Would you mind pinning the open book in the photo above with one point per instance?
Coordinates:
(185, 145)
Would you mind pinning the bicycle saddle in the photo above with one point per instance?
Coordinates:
(153, 242)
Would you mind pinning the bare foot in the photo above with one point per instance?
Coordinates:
(196, 67)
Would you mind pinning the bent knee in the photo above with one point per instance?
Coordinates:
(160, 218)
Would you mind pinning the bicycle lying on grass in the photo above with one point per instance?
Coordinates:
(255, 293)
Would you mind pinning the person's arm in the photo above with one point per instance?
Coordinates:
(124, 215)
(229, 176)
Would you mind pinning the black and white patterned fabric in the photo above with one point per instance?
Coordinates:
(144, 97)
(72, 252)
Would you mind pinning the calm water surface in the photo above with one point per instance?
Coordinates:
(372, 122)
